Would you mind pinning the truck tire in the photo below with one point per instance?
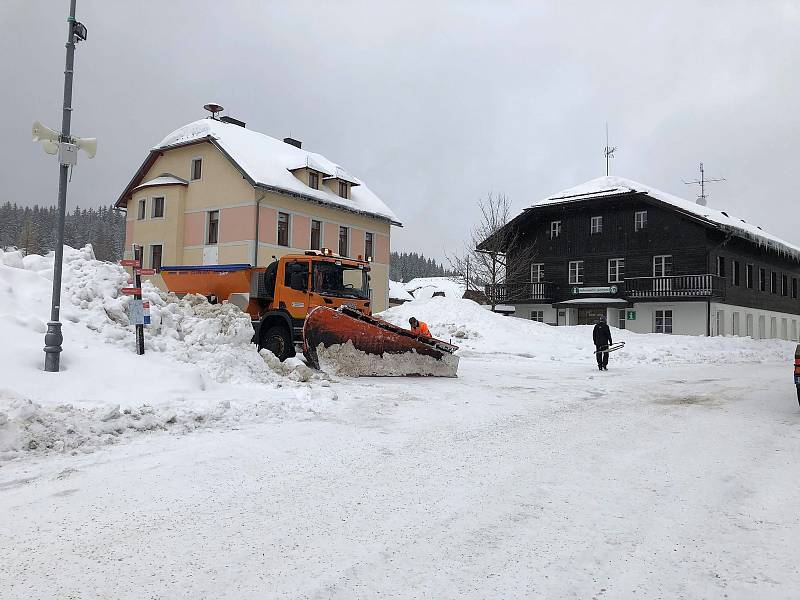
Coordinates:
(277, 340)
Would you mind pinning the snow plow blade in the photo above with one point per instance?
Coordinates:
(347, 342)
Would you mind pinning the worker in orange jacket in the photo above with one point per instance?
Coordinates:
(419, 327)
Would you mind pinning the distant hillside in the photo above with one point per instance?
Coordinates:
(405, 266)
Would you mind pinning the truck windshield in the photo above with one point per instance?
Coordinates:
(343, 281)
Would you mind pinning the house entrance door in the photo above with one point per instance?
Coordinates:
(590, 316)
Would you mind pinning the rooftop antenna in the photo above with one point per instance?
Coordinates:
(213, 108)
(701, 199)
(608, 151)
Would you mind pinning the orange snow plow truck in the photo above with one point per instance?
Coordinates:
(319, 302)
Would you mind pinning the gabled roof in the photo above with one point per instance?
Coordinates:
(267, 163)
(163, 179)
(603, 187)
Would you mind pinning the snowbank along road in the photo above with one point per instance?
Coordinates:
(223, 474)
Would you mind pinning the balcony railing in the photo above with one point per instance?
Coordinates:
(537, 291)
(675, 286)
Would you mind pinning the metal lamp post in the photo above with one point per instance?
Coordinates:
(67, 153)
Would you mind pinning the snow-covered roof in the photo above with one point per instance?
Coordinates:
(163, 179)
(268, 162)
(426, 287)
(610, 186)
(398, 292)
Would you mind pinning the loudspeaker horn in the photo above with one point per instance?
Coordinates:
(88, 145)
(44, 134)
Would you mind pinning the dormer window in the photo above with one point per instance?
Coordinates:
(344, 189)
(313, 180)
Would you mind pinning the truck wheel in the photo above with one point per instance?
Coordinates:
(277, 340)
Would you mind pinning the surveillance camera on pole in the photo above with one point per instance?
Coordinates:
(66, 147)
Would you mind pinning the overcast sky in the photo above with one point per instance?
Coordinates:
(434, 104)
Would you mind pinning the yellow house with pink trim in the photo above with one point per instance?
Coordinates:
(215, 192)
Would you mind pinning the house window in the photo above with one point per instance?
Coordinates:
(368, 246)
(721, 266)
(555, 229)
(762, 280)
(156, 250)
(537, 272)
(621, 318)
(784, 285)
(735, 323)
(283, 229)
(748, 325)
(313, 180)
(344, 189)
(596, 225)
(158, 207)
(616, 270)
(773, 328)
(316, 235)
(576, 272)
(735, 268)
(537, 315)
(142, 210)
(197, 168)
(213, 227)
(720, 322)
(344, 235)
(773, 282)
(663, 322)
(662, 266)
(749, 277)
(640, 220)
(794, 288)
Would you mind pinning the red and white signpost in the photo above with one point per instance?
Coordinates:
(139, 316)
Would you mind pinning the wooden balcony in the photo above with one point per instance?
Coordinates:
(522, 292)
(675, 286)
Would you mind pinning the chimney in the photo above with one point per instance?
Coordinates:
(232, 121)
(293, 142)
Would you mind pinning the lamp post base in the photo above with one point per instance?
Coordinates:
(52, 348)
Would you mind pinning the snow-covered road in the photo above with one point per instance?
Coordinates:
(517, 480)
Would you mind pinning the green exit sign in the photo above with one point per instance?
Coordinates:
(631, 316)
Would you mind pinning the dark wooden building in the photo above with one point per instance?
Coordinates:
(651, 262)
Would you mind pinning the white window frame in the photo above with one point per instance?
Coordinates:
(339, 240)
(640, 220)
(555, 229)
(321, 233)
(736, 324)
(141, 209)
(288, 229)
(208, 226)
(150, 253)
(366, 233)
(619, 266)
(663, 265)
(578, 277)
(163, 207)
(315, 173)
(191, 168)
(537, 315)
(622, 318)
(537, 272)
(749, 325)
(596, 225)
(664, 318)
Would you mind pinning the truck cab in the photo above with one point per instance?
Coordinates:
(298, 283)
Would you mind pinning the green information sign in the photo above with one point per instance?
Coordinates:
(631, 315)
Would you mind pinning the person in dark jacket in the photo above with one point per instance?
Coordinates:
(602, 340)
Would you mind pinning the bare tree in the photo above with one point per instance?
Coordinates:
(497, 256)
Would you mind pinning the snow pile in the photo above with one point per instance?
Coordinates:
(346, 360)
(199, 366)
(398, 292)
(425, 287)
(479, 331)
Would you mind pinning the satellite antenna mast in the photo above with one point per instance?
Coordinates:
(608, 151)
(701, 199)
(213, 108)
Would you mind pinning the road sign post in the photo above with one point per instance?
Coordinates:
(137, 284)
